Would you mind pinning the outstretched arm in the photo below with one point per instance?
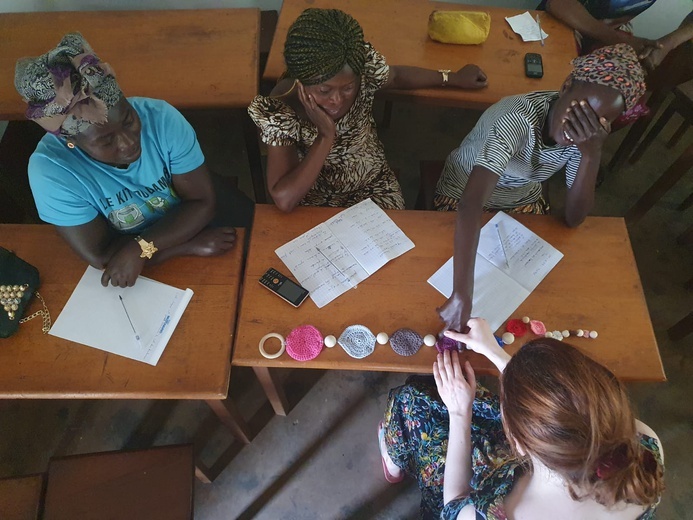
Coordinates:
(574, 15)
(457, 387)
(480, 339)
(408, 78)
(455, 312)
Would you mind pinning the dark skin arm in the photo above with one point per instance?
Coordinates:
(588, 132)
(288, 178)
(179, 232)
(653, 56)
(456, 310)
(574, 15)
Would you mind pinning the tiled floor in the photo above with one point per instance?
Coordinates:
(322, 462)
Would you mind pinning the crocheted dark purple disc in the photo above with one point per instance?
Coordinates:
(405, 342)
(445, 343)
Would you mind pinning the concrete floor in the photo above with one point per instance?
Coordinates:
(322, 461)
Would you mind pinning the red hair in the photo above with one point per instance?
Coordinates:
(572, 414)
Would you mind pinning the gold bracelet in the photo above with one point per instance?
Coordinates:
(445, 76)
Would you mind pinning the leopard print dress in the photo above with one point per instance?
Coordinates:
(356, 168)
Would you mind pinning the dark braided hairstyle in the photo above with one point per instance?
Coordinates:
(320, 42)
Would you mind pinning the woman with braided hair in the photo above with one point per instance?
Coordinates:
(318, 123)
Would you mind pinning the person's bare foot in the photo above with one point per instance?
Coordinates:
(393, 472)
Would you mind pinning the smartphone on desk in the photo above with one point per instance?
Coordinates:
(534, 67)
(286, 289)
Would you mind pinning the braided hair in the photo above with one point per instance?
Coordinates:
(320, 43)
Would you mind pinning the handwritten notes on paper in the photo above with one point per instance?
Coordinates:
(499, 290)
(342, 252)
(95, 316)
(527, 27)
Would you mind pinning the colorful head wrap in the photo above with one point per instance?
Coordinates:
(320, 42)
(68, 88)
(615, 66)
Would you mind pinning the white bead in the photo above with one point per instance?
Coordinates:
(557, 334)
(330, 341)
(565, 333)
(593, 334)
(580, 333)
(548, 334)
(525, 319)
(382, 338)
(508, 338)
(559, 337)
(429, 340)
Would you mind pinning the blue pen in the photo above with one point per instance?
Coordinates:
(505, 254)
(137, 336)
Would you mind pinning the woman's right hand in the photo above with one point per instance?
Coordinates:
(320, 118)
(480, 339)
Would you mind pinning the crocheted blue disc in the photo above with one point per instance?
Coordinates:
(406, 342)
(357, 341)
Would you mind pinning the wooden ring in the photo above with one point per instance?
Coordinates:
(261, 346)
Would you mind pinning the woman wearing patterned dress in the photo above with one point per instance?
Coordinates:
(523, 140)
(559, 442)
(318, 123)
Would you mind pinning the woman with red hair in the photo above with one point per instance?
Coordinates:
(559, 442)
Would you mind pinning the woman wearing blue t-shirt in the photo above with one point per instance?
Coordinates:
(123, 180)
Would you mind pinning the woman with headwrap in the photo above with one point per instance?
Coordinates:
(523, 140)
(323, 149)
(123, 179)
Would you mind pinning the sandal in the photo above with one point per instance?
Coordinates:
(388, 476)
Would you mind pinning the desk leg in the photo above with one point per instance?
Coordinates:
(273, 391)
(202, 473)
(231, 418)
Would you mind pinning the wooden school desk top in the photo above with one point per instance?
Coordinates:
(202, 58)
(194, 365)
(595, 286)
(399, 30)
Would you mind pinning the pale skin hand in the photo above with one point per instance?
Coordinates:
(480, 339)
(457, 388)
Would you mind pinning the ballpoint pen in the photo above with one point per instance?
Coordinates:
(505, 253)
(541, 33)
(337, 268)
(137, 336)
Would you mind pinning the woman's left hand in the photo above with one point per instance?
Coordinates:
(584, 127)
(457, 387)
(470, 77)
(652, 56)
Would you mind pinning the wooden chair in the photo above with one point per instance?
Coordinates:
(682, 104)
(153, 484)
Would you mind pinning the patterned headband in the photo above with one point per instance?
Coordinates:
(68, 88)
(615, 66)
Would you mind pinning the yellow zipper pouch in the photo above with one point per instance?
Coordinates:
(461, 27)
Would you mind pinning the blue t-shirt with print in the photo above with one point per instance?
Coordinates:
(70, 188)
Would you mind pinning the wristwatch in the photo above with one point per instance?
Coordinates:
(148, 248)
(445, 73)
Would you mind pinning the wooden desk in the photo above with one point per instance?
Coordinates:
(202, 58)
(596, 286)
(195, 364)
(399, 30)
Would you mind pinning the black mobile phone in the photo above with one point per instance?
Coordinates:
(534, 67)
(283, 287)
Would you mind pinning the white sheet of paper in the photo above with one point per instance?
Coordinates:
(94, 316)
(499, 291)
(526, 26)
(343, 251)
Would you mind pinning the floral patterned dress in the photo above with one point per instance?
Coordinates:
(356, 168)
(416, 434)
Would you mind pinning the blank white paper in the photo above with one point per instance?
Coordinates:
(94, 316)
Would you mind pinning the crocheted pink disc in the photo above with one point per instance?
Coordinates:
(446, 343)
(304, 343)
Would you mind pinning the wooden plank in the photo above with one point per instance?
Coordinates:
(399, 30)
(200, 58)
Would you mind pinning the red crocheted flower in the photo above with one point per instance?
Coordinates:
(517, 327)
